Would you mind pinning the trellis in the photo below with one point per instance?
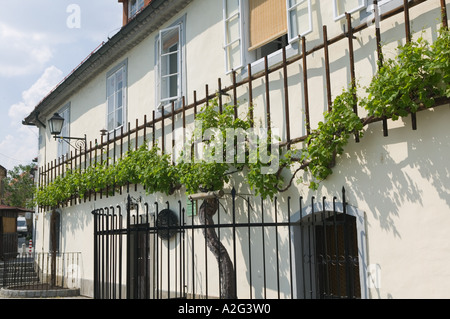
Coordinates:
(118, 142)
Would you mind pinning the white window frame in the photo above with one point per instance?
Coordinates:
(139, 6)
(289, 8)
(168, 88)
(239, 40)
(362, 4)
(63, 146)
(122, 67)
(166, 103)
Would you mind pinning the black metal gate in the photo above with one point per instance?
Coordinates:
(127, 246)
(162, 253)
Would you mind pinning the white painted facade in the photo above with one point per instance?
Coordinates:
(398, 186)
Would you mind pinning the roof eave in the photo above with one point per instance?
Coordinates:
(130, 35)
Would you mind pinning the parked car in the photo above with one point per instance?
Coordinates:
(22, 228)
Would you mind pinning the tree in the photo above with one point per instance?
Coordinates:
(19, 186)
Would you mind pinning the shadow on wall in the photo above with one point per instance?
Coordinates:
(387, 174)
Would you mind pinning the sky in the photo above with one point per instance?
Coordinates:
(41, 42)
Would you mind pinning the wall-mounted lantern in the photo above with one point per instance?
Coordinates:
(56, 124)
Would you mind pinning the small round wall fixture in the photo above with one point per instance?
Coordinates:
(167, 223)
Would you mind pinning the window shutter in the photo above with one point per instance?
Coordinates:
(267, 21)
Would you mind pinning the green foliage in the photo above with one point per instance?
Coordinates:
(211, 172)
(418, 74)
(203, 176)
(146, 167)
(268, 183)
(142, 166)
(439, 64)
(329, 139)
(18, 186)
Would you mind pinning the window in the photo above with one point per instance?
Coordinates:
(340, 7)
(169, 62)
(258, 28)
(337, 260)
(116, 84)
(170, 83)
(63, 146)
(134, 6)
(330, 259)
(270, 47)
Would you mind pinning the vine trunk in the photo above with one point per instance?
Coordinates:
(207, 210)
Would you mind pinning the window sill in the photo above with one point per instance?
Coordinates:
(272, 60)
(117, 131)
(167, 107)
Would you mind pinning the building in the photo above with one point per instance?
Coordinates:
(375, 228)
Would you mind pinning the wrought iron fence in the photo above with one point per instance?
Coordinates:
(40, 271)
(249, 249)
